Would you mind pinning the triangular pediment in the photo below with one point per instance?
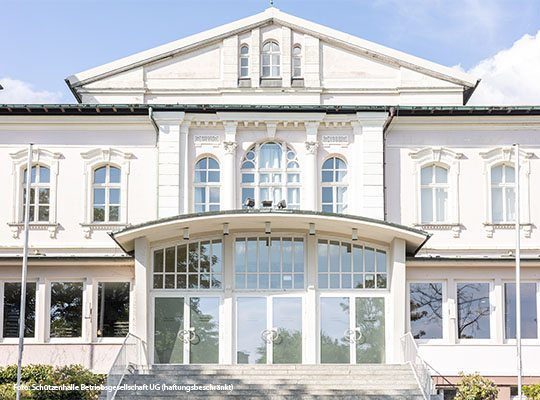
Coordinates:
(209, 60)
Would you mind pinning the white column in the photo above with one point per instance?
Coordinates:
(398, 301)
(310, 313)
(141, 304)
(228, 173)
(227, 325)
(310, 201)
(169, 167)
(372, 163)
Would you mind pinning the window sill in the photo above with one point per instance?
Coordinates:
(441, 226)
(297, 82)
(491, 226)
(17, 227)
(89, 228)
(271, 82)
(244, 82)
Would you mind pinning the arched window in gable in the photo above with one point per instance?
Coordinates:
(271, 60)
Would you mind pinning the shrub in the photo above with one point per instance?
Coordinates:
(40, 374)
(532, 391)
(475, 387)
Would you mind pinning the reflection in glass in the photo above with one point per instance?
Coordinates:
(66, 309)
(113, 309)
(204, 320)
(370, 321)
(287, 319)
(12, 309)
(251, 312)
(426, 310)
(473, 310)
(169, 321)
(529, 329)
(334, 322)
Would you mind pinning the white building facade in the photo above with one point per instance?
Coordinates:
(277, 192)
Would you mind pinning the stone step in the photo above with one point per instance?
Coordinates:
(291, 381)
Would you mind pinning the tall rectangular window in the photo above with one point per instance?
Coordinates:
(12, 309)
(473, 310)
(113, 309)
(426, 310)
(529, 327)
(66, 309)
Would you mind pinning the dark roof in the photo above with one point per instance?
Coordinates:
(143, 109)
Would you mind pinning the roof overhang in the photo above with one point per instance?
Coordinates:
(282, 221)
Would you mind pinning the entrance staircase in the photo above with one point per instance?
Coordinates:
(272, 382)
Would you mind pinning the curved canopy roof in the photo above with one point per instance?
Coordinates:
(282, 221)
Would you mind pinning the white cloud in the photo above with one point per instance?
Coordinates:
(510, 77)
(20, 92)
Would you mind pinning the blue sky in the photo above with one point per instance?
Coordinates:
(44, 41)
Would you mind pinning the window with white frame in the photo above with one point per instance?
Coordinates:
(503, 193)
(270, 171)
(269, 263)
(343, 265)
(112, 309)
(297, 61)
(66, 309)
(12, 309)
(426, 316)
(271, 60)
(529, 323)
(474, 310)
(194, 265)
(206, 182)
(334, 185)
(244, 61)
(106, 194)
(40, 193)
(434, 194)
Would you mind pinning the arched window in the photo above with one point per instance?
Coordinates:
(106, 194)
(270, 171)
(244, 61)
(334, 185)
(206, 185)
(40, 193)
(434, 194)
(271, 60)
(297, 61)
(503, 193)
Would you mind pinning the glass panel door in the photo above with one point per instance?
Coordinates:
(204, 330)
(370, 322)
(335, 322)
(287, 322)
(168, 322)
(352, 330)
(251, 322)
(269, 330)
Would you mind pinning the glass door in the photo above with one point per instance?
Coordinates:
(269, 330)
(186, 330)
(352, 330)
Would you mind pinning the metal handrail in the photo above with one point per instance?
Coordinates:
(420, 369)
(132, 352)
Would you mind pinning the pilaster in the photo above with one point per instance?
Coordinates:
(141, 290)
(168, 148)
(286, 56)
(398, 301)
(372, 171)
(228, 175)
(312, 167)
(254, 57)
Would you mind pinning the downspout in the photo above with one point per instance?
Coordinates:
(391, 114)
(156, 128)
